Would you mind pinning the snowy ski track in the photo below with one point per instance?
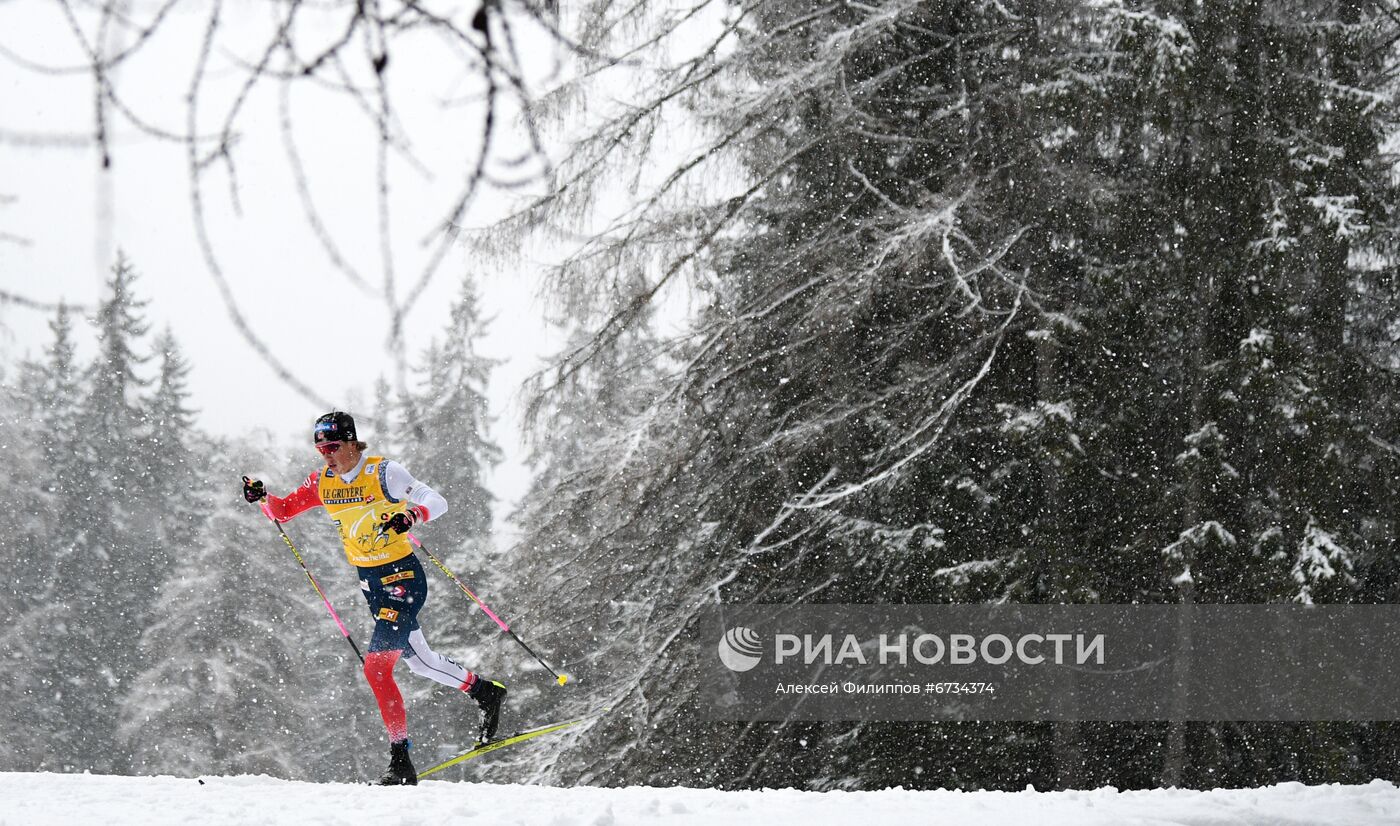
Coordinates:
(68, 799)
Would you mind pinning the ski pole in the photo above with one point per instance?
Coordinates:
(558, 678)
(314, 584)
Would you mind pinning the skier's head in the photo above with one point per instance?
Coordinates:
(335, 426)
(334, 436)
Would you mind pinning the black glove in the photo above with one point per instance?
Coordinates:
(253, 490)
(400, 522)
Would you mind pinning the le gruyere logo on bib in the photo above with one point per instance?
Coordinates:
(348, 496)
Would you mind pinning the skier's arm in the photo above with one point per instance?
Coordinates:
(425, 502)
(298, 501)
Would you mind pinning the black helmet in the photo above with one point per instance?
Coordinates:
(335, 426)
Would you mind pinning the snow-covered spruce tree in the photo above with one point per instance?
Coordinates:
(46, 420)
(446, 433)
(1271, 168)
(48, 487)
(33, 533)
(985, 283)
(105, 580)
(168, 464)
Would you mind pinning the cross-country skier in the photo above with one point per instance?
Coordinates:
(374, 502)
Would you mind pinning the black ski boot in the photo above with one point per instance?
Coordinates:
(400, 771)
(489, 695)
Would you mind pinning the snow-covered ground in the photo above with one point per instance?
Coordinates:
(34, 799)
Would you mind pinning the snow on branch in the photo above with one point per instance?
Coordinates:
(937, 421)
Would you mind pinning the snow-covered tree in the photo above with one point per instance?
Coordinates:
(977, 288)
(26, 693)
(447, 438)
(107, 568)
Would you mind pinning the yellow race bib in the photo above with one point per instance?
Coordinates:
(358, 510)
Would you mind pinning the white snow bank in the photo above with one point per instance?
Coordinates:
(37, 799)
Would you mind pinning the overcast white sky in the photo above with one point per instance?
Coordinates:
(293, 297)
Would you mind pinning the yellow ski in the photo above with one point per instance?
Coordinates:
(509, 741)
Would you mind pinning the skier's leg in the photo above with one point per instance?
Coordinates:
(425, 662)
(379, 672)
(407, 591)
(385, 648)
(489, 694)
(394, 618)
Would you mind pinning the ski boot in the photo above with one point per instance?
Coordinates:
(489, 695)
(400, 771)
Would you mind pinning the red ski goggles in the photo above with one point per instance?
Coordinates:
(327, 448)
